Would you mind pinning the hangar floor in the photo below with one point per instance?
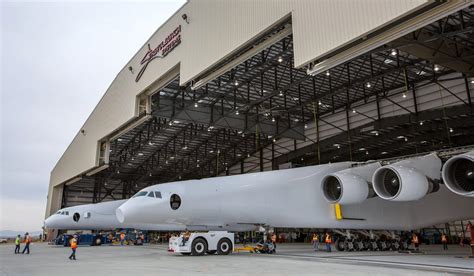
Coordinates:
(292, 259)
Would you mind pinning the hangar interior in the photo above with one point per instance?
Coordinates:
(254, 111)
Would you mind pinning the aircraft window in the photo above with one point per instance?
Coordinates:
(59, 212)
(62, 213)
(158, 194)
(87, 214)
(175, 201)
(151, 194)
(142, 193)
(76, 217)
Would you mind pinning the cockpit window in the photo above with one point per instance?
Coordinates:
(158, 194)
(142, 193)
(59, 212)
(67, 213)
(151, 194)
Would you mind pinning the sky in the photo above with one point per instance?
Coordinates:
(57, 60)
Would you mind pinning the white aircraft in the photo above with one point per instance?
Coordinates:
(403, 195)
(99, 216)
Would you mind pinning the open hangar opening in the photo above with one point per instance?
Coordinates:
(254, 111)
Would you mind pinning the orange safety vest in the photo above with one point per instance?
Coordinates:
(315, 238)
(415, 239)
(328, 239)
(443, 238)
(122, 236)
(73, 243)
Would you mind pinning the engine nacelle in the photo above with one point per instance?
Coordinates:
(349, 186)
(458, 174)
(409, 179)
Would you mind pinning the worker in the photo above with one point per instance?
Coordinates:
(415, 241)
(27, 244)
(274, 240)
(470, 228)
(17, 244)
(315, 242)
(73, 243)
(111, 238)
(122, 238)
(186, 236)
(444, 241)
(328, 241)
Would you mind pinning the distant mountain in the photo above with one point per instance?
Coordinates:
(10, 234)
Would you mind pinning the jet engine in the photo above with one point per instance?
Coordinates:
(409, 179)
(349, 186)
(458, 174)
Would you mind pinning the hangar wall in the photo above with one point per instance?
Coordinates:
(215, 30)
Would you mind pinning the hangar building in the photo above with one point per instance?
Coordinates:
(231, 87)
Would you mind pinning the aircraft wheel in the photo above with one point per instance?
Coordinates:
(340, 244)
(199, 247)
(224, 247)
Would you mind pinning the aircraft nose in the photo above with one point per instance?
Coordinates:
(49, 222)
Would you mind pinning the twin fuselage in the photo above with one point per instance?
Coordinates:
(290, 198)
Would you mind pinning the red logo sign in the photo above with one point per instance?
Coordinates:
(164, 48)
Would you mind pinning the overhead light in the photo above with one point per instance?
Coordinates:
(367, 153)
(170, 123)
(133, 158)
(354, 111)
(451, 130)
(375, 132)
(421, 123)
(436, 68)
(195, 104)
(337, 146)
(328, 73)
(274, 140)
(368, 85)
(305, 125)
(406, 139)
(150, 174)
(166, 162)
(118, 172)
(280, 59)
(140, 154)
(362, 149)
(197, 165)
(383, 152)
(404, 95)
(236, 83)
(296, 120)
(120, 139)
(211, 151)
(401, 137)
(239, 132)
(423, 142)
(176, 121)
(236, 112)
(171, 157)
(472, 80)
(296, 99)
(185, 147)
(319, 102)
(200, 101)
(280, 93)
(150, 143)
(238, 154)
(270, 136)
(394, 52)
(248, 154)
(273, 119)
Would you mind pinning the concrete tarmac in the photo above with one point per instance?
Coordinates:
(291, 259)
